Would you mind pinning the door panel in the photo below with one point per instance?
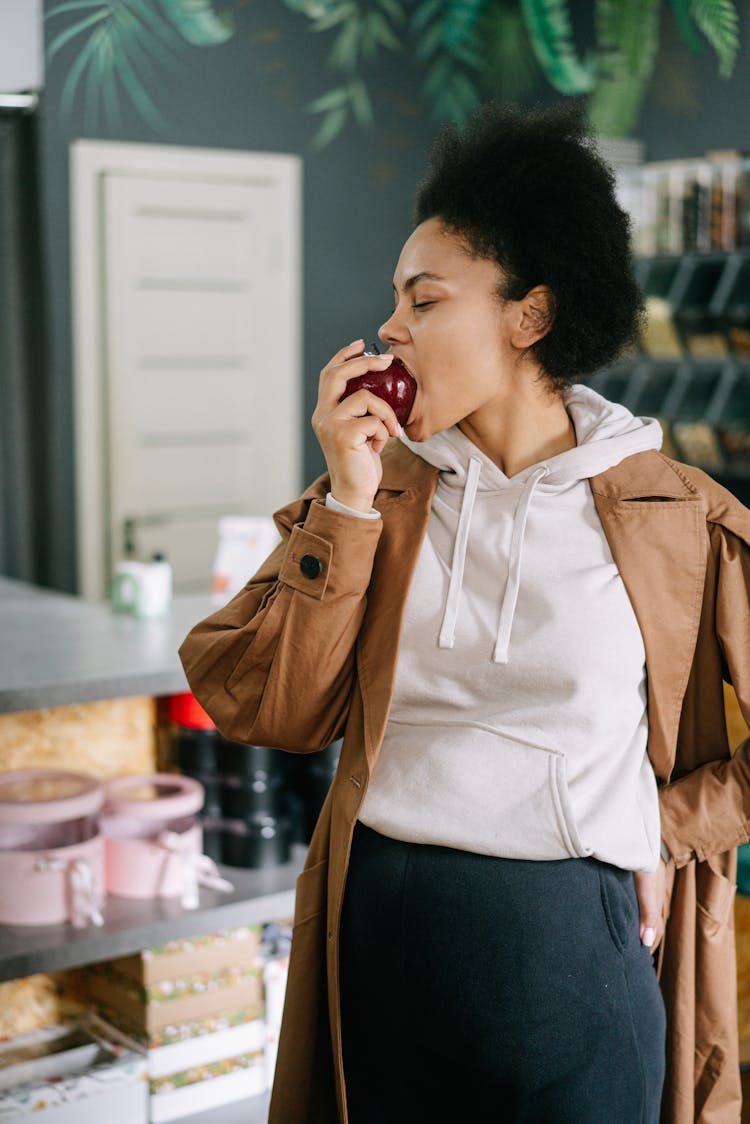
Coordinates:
(202, 397)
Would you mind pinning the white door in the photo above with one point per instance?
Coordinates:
(199, 333)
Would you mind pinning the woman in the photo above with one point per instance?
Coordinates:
(519, 614)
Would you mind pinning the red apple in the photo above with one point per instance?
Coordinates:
(394, 385)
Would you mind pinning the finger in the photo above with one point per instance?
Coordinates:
(652, 935)
(648, 935)
(649, 906)
(351, 351)
(363, 403)
(335, 376)
(361, 430)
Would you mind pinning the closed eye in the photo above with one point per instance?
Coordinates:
(423, 304)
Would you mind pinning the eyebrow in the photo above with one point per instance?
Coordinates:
(416, 278)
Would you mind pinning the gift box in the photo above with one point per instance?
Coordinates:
(80, 1074)
(207, 1086)
(51, 851)
(180, 984)
(186, 998)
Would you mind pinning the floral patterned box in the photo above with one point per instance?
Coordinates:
(183, 982)
(85, 1085)
(207, 953)
(148, 1009)
(207, 1086)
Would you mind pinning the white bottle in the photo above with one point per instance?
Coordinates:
(155, 593)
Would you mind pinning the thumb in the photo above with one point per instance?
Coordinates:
(647, 891)
(648, 930)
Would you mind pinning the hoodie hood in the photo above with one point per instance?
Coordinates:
(606, 434)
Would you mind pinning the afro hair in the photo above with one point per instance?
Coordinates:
(528, 190)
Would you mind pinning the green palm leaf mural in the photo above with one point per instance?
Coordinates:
(120, 50)
(548, 24)
(123, 49)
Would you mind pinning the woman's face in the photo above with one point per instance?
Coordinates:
(450, 329)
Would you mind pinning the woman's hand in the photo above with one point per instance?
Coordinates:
(353, 433)
(649, 889)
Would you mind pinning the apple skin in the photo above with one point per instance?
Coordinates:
(394, 385)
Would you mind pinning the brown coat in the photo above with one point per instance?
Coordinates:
(295, 660)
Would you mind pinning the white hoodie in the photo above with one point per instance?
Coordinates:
(518, 725)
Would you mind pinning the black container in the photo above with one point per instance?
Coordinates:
(260, 842)
(234, 759)
(244, 795)
(295, 812)
(213, 835)
(212, 789)
(193, 752)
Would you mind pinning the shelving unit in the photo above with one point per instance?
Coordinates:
(693, 370)
(61, 651)
(253, 1111)
(131, 925)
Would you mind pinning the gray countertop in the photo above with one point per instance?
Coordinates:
(56, 649)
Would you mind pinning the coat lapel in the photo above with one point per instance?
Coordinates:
(655, 523)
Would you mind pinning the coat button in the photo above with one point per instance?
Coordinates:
(311, 566)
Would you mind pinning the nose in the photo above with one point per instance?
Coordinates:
(393, 330)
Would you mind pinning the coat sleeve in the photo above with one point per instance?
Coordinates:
(275, 666)
(708, 810)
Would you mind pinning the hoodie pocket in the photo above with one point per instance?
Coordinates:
(468, 786)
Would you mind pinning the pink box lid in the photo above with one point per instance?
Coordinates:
(154, 796)
(48, 795)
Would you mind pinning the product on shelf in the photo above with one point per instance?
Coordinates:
(276, 943)
(80, 1074)
(691, 295)
(195, 1006)
(153, 839)
(245, 541)
(161, 990)
(259, 801)
(731, 305)
(733, 422)
(51, 851)
(695, 396)
(688, 205)
(206, 1086)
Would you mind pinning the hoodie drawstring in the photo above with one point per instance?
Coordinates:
(507, 612)
(448, 627)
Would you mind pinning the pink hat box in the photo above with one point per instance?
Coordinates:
(51, 851)
(152, 838)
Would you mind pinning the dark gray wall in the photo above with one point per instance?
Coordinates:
(250, 94)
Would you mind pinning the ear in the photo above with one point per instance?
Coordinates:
(534, 318)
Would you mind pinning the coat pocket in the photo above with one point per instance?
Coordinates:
(715, 893)
(311, 892)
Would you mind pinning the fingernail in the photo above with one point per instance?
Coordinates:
(649, 936)
(356, 341)
(400, 430)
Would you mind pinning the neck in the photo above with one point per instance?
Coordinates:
(527, 425)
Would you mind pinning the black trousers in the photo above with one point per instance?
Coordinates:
(485, 990)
